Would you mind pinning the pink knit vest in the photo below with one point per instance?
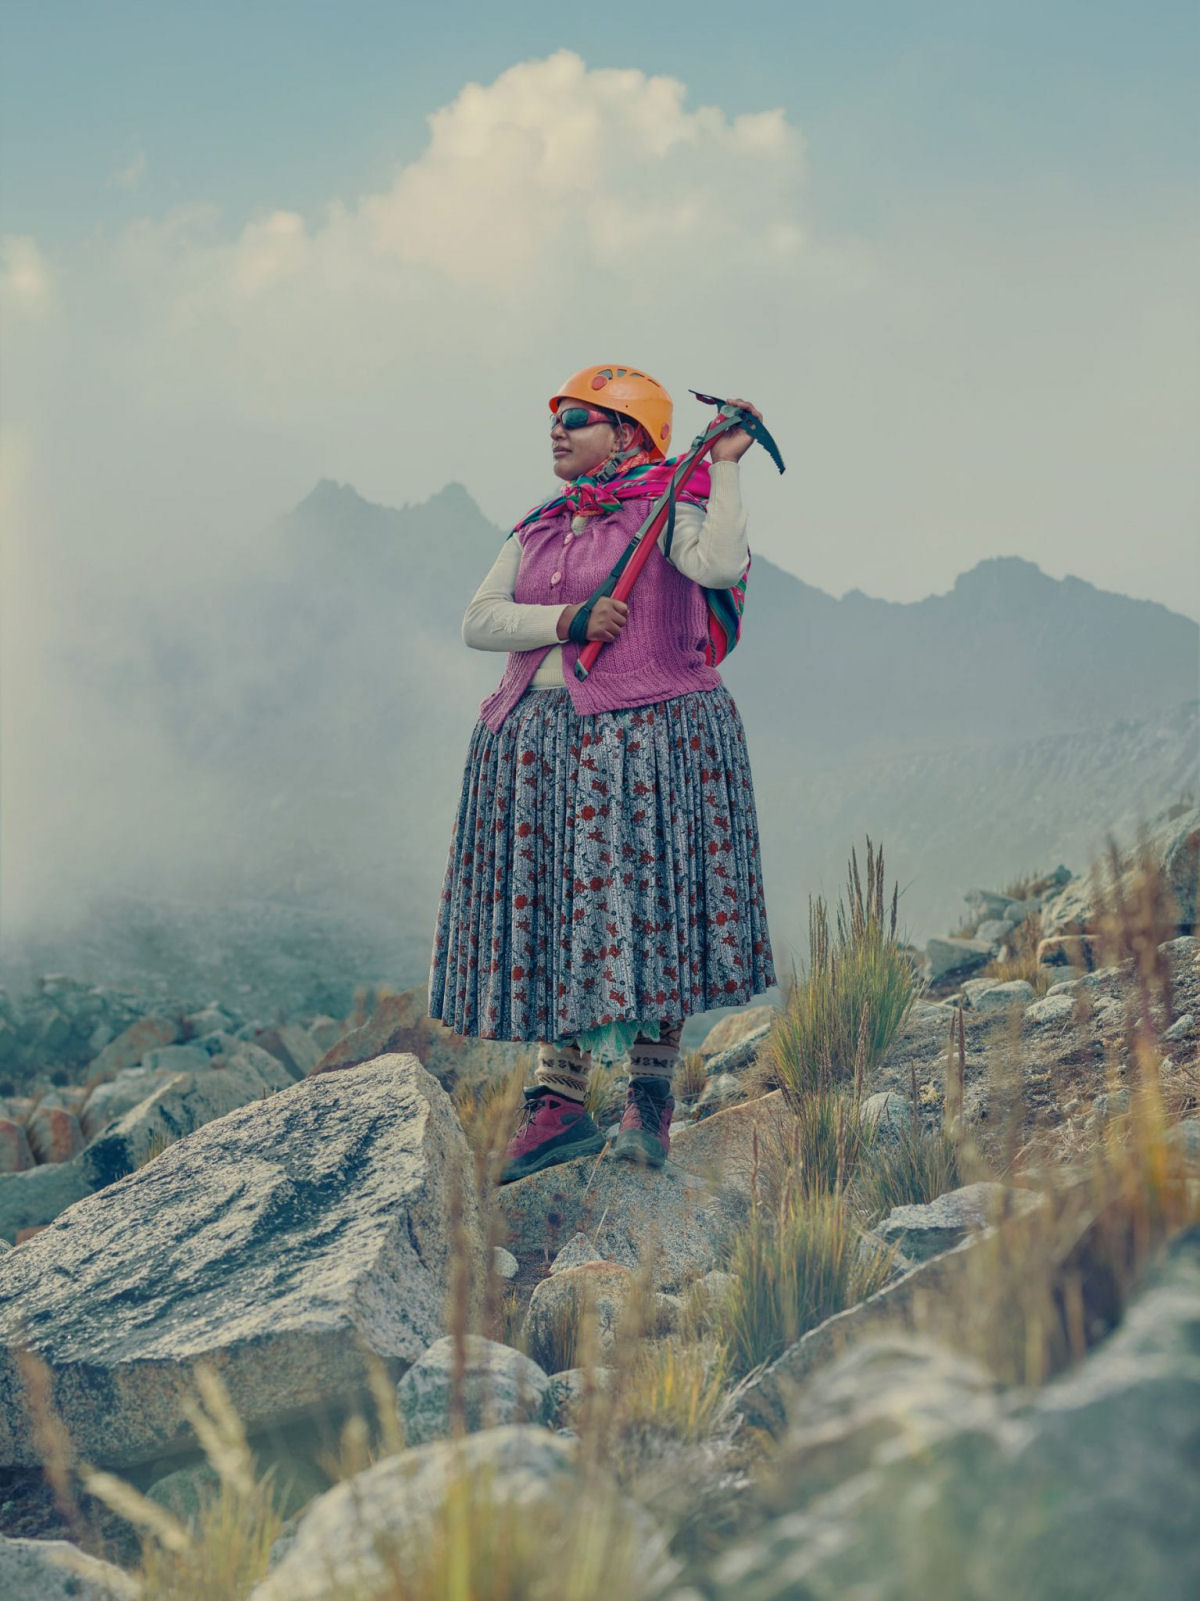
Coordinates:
(657, 655)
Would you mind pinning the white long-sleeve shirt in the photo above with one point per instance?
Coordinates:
(709, 546)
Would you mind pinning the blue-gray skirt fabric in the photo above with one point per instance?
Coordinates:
(602, 869)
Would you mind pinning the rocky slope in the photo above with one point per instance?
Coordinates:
(297, 1208)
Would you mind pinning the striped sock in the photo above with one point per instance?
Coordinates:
(563, 1069)
(656, 1058)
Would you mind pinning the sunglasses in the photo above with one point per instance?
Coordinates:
(580, 417)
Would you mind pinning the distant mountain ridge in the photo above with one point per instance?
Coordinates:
(1007, 652)
(312, 711)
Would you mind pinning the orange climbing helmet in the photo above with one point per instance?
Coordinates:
(628, 390)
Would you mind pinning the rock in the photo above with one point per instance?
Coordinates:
(717, 1284)
(908, 1472)
(1069, 950)
(37, 1196)
(15, 1155)
(720, 1149)
(401, 1023)
(1000, 997)
(567, 1390)
(326, 1031)
(1103, 978)
(293, 1046)
(990, 903)
(927, 1020)
(1173, 843)
(131, 1045)
(920, 1232)
(946, 956)
(208, 1020)
(1110, 1104)
(737, 1027)
(188, 1491)
(558, 1305)
(504, 1263)
(272, 1241)
(629, 1213)
(888, 1112)
(177, 1059)
(1052, 1009)
(669, 1313)
(56, 1570)
(720, 1092)
(736, 1058)
(499, 1386)
(1066, 982)
(994, 931)
(341, 1543)
(578, 1250)
(973, 988)
(54, 1134)
(1185, 1137)
(113, 1098)
(1181, 1028)
(180, 1106)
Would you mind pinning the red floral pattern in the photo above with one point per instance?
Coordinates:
(602, 868)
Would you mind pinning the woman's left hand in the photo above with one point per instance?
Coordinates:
(734, 445)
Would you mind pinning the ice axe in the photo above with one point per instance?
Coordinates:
(636, 554)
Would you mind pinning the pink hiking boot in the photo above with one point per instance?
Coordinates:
(552, 1129)
(645, 1125)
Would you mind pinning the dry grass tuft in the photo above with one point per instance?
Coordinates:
(792, 1269)
(911, 1167)
(840, 1017)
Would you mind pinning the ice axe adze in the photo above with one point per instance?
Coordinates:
(636, 554)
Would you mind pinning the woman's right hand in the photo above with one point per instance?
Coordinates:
(608, 618)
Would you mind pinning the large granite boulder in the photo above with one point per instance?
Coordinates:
(277, 1242)
(907, 1472)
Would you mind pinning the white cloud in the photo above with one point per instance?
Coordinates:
(131, 175)
(965, 382)
(555, 215)
(24, 276)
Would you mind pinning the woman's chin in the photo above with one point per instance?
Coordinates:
(562, 469)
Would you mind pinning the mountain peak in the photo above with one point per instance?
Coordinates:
(330, 496)
(1013, 574)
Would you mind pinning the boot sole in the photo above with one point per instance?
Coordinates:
(628, 1148)
(563, 1153)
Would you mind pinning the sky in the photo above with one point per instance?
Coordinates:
(950, 249)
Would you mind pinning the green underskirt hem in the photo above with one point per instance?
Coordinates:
(611, 1041)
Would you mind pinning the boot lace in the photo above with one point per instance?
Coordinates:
(649, 1104)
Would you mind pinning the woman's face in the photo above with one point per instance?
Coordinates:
(583, 450)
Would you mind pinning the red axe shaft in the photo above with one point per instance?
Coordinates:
(646, 536)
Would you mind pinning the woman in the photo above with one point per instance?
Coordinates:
(603, 880)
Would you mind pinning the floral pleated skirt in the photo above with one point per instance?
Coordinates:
(602, 869)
